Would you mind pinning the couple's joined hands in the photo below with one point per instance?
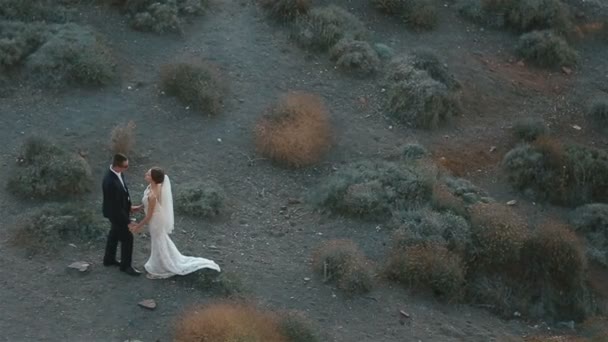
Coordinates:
(134, 227)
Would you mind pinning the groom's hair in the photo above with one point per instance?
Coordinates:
(119, 159)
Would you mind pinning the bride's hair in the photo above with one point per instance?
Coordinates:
(157, 174)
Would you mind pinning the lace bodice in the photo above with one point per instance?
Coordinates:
(145, 201)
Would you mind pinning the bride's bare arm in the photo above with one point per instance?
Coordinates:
(149, 213)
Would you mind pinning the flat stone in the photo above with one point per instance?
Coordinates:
(81, 266)
(512, 202)
(149, 304)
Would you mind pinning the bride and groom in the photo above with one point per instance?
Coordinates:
(165, 259)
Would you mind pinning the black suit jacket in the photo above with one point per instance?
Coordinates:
(116, 199)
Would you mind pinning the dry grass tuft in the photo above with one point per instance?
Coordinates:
(296, 132)
(286, 10)
(555, 255)
(196, 84)
(341, 262)
(429, 266)
(498, 235)
(122, 138)
(228, 322)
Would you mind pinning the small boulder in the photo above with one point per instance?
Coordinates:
(149, 304)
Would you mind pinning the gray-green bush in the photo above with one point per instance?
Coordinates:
(202, 199)
(529, 129)
(54, 226)
(162, 16)
(46, 171)
(421, 92)
(571, 174)
(355, 56)
(373, 190)
(197, 84)
(72, 54)
(324, 26)
(425, 226)
(598, 112)
(591, 220)
(546, 49)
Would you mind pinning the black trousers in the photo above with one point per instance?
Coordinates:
(119, 233)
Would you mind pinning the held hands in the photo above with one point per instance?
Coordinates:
(134, 227)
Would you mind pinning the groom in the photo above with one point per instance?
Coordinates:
(117, 208)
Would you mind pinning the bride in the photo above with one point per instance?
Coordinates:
(165, 259)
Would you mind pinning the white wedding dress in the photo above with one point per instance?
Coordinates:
(165, 259)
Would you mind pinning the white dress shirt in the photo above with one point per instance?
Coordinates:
(118, 174)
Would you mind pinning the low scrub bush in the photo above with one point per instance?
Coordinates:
(553, 254)
(418, 14)
(498, 236)
(18, 40)
(598, 112)
(355, 56)
(122, 138)
(393, 7)
(474, 11)
(428, 266)
(296, 132)
(45, 171)
(502, 295)
(296, 327)
(341, 262)
(595, 328)
(530, 129)
(226, 283)
(227, 322)
(161, 16)
(414, 152)
(373, 190)
(199, 85)
(286, 10)
(54, 226)
(33, 11)
(421, 92)
(546, 49)
(201, 199)
(445, 200)
(72, 54)
(591, 220)
(426, 226)
(570, 175)
(421, 14)
(519, 15)
(507, 296)
(324, 26)
(467, 191)
(528, 15)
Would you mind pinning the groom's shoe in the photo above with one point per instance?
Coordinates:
(131, 271)
(111, 263)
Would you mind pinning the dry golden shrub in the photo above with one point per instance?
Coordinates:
(444, 199)
(343, 263)
(295, 132)
(122, 138)
(499, 234)
(228, 322)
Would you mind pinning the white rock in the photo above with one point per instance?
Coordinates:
(149, 304)
(512, 202)
(81, 266)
